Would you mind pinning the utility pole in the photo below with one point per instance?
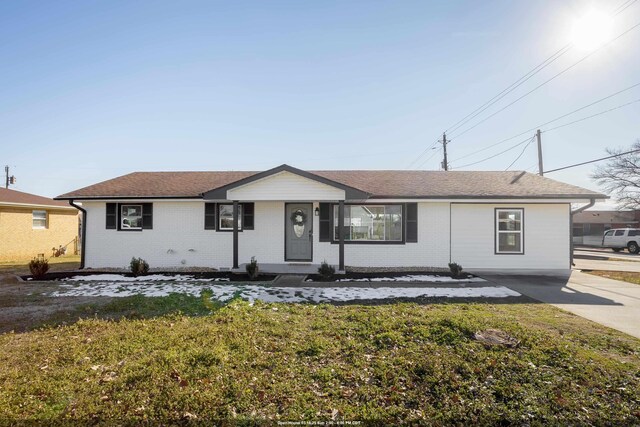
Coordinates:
(445, 163)
(9, 179)
(540, 168)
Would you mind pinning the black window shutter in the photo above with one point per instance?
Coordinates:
(412, 222)
(247, 216)
(111, 219)
(209, 216)
(147, 216)
(325, 222)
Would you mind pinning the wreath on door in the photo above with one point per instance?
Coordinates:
(298, 217)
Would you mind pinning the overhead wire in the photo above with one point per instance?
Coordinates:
(496, 155)
(557, 127)
(552, 121)
(549, 80)
(521, 153)
(511, 87)
(593, 161)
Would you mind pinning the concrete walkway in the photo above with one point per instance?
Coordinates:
(609, 302)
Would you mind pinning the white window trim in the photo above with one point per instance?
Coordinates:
(498, 231)
(220, 227)
(122, 227)
(46, 220)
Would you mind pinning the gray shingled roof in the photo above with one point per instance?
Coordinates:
(379, 183)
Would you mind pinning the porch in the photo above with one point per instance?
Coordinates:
(286, 268)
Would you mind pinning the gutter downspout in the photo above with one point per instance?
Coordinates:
(580, 209)
(84, 232)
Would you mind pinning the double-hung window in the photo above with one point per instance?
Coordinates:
(370, 223)
(39, 219)
(131, 217)
(509, 231)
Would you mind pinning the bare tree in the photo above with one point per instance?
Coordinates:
(620, 177)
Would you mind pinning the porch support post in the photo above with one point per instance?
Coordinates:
(341, 234)
(235, 234)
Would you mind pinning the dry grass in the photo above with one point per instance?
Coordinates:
(390, 363)
(21, 267)
(625, 276)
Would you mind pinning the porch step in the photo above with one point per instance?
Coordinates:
(289, 279)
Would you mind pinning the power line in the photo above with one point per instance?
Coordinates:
(622, 7)
(496, 155)
(549, 80)
(592, 161)
(549, 130)
(511, 87)
(521, 153)
(555, 120)
(416, 159)
(594, 115)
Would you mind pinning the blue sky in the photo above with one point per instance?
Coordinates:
(92, 90)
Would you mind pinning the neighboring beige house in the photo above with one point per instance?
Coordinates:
(32, 225)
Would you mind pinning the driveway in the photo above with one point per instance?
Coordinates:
(609, 302)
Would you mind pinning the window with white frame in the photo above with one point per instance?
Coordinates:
(509, 231)
(39, 219)
(225, 217)
(372, 223)
(131, 217)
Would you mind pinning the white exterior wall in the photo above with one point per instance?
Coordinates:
(285, 186)
(546, 237)
(178, 226)
(432, 248)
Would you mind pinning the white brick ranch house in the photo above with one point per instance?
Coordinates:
(490, 220)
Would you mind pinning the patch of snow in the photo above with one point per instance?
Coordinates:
(416, 278)
(149, 278)
(277, 294)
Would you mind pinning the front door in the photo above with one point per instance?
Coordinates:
(298, 234)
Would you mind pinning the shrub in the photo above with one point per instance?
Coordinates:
(38, 267)
(456, 270)
(252, 269)
(326, 271)
(138, 266)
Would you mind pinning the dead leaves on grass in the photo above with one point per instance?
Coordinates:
(492, 337)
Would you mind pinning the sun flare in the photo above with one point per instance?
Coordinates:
(592, 29)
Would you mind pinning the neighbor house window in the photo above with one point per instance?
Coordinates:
(509, 227)
(131, 217)
(370, 223)
(225, 217)
(39, 219)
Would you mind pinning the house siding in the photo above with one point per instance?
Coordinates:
(178, 238)
(546, 237)
(20, 241)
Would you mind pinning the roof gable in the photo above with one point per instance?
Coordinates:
(222, 193)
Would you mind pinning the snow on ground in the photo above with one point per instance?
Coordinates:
(149, 278)
(276, 294)
(415, 278)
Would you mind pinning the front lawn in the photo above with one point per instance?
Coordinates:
(391, 362)
(21, 267)
(625, 276)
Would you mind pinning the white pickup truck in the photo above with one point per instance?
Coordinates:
(620, 238)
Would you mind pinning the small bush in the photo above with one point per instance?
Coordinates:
(252, 269)
(456, 270)
(326, 272)
(38, 267)
(138, 266)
